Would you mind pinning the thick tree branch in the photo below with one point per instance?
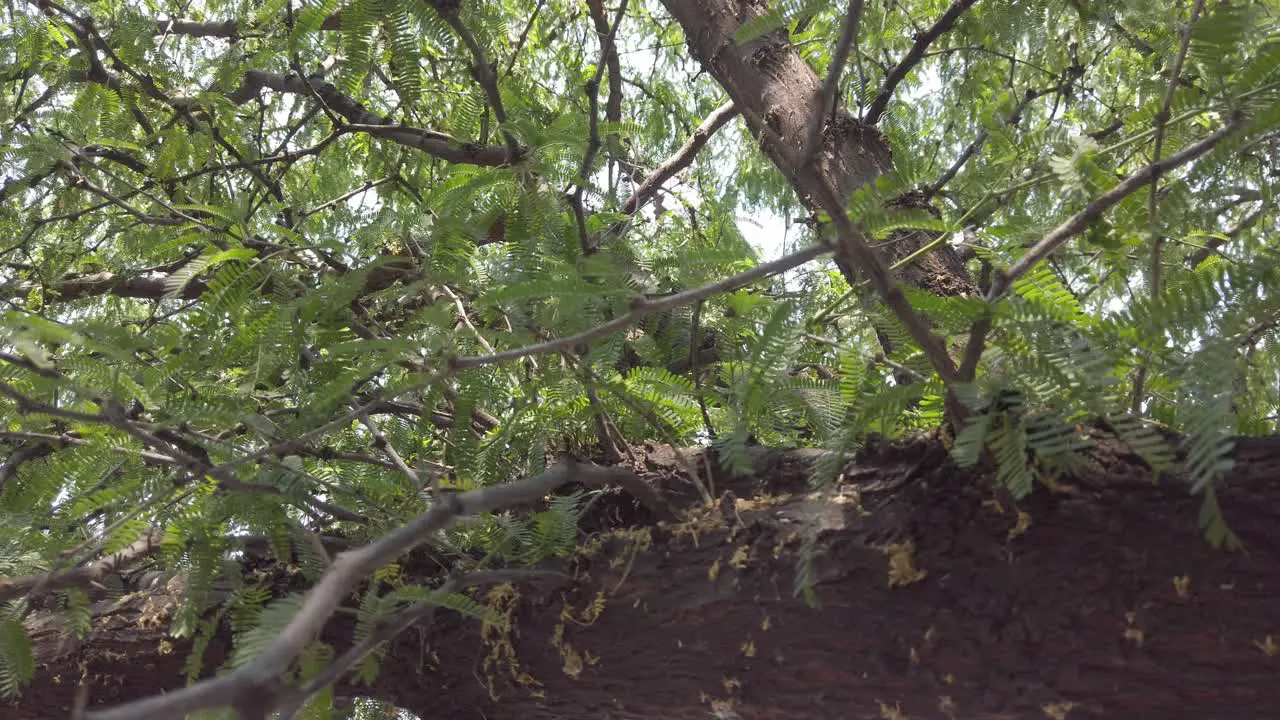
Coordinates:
(913, 58)
(827, 105)
(258, 678)
(147, 286)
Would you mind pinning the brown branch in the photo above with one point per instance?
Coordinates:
(80, 577)
(593, 128)
(613, 104)
(22, 455)
(524, 36)
(827, 104)
(681, 158)
(913, 58)
(853, 245)
(259, 678)
(29, 182)
(965, 155)
(484, 73)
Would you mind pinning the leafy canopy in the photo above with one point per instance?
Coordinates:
(271, 271)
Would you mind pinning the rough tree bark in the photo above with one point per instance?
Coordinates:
(1103, 600)
(779, 95)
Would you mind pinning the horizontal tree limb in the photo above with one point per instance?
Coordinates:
(79, 577)
(225, 29)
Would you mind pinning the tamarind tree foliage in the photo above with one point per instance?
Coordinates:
(326, 277)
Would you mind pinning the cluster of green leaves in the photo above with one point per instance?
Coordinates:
(224, 270)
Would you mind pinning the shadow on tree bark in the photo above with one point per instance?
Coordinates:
(1103, 600)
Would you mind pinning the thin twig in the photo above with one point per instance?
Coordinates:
(593, 130)
(485, 75)
(524, 35)
(642, 307)
(1155, 269)
(681, 158)
(380, 441)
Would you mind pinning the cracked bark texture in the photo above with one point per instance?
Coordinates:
(779, 94)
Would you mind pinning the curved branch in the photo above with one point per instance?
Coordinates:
(433, 143)
(913, 58)
(258, 678)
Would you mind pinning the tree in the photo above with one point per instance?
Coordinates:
(294, 293)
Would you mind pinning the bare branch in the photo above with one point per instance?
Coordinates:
(972, 148)
(524, 36)
(681, 158)
(83, 576)
(913, 58)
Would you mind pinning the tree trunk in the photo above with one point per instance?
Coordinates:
(779, 95)
(1104, 601)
